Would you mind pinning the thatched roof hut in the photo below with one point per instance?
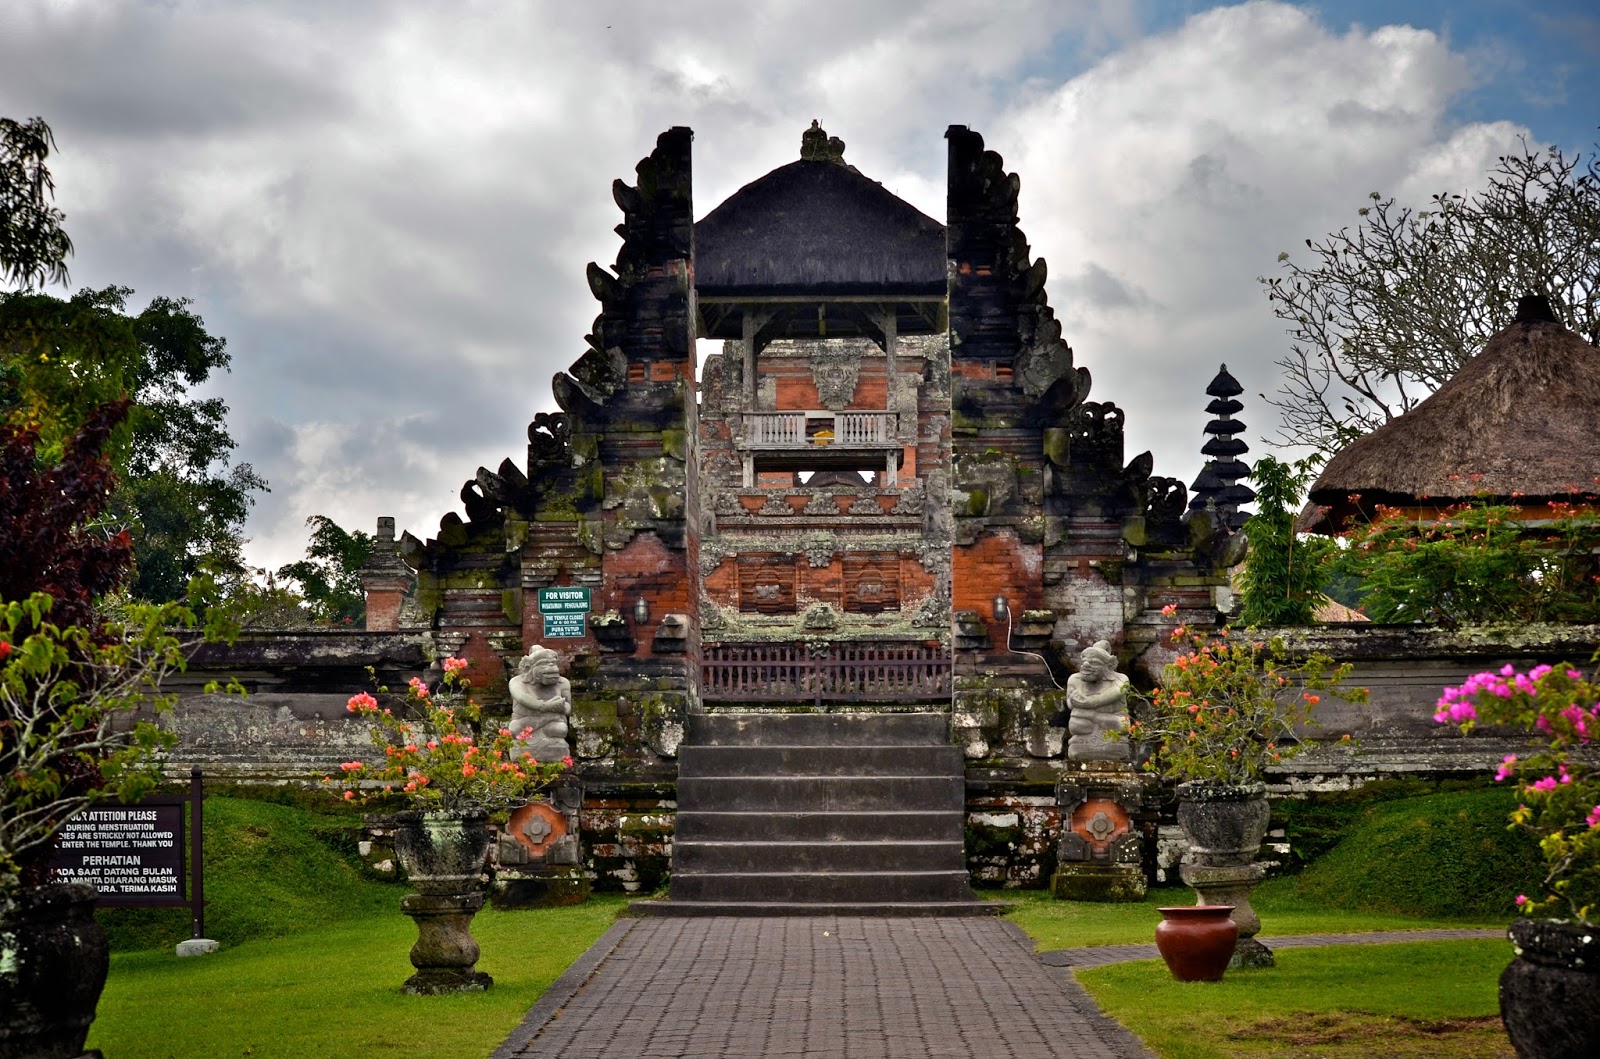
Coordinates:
(817, 227)
(1519, 423)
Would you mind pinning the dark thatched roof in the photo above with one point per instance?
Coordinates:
(1519, 419)
(815, 227)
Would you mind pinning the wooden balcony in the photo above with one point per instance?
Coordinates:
(805, 431)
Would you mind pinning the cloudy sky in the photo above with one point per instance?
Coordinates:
(386, 208)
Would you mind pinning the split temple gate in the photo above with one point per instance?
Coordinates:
(891, 492)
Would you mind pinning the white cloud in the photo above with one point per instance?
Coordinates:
(1175, 172)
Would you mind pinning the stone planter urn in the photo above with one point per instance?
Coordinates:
(1550, 995)
(1224, 825)
(443, 854)
(53, 964)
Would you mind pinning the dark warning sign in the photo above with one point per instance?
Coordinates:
(132, 854)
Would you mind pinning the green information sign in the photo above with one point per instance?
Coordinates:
(559, 625)
(565, 611)
(563, 601)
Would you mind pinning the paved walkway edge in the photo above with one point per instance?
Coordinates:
(563, 989)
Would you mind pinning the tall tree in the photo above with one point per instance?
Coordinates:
(179, 497)
(33, 248)
(1386, 312)
(330, 574)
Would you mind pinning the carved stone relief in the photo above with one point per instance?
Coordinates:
(835, 371)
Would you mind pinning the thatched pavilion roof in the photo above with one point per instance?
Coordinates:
(1521, 420)
(818, 227)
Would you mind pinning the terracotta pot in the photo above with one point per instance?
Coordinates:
(1550, 995)
(1224, 823)
(1197, 941)
(53, 963)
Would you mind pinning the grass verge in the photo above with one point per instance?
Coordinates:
(335, 990)
(1283, 909)
(1417, 1000)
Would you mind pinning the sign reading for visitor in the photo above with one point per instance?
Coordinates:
(132, 854)
(565, 611)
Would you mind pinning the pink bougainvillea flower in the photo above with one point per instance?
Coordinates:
(455, 665)
(361, 702)
(1522, 899)
(1593, 819)
(351, 766)
(567, 761)
(348, 795)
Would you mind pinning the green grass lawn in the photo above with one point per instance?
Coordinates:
(1417, 1000)
(334, 990)
(314, 952)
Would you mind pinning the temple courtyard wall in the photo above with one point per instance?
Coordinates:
(292, 727)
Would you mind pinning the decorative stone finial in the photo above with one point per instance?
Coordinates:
(817, 146)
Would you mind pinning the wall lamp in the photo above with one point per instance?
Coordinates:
(641, 610)
(1002, 610)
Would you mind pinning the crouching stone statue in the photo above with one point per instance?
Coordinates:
(541, 703)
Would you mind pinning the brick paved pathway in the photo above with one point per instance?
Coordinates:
(841, 988)
(820, 988)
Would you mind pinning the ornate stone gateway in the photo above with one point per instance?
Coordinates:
(888, 490)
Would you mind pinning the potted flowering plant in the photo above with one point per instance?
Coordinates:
(1228, 708)
(455, 769)
(1550, 994)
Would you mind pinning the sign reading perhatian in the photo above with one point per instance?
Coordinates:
(565, 611)
(131, 854)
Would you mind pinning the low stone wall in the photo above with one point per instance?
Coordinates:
(293, 727)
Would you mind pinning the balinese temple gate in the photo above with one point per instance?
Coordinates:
(820, 593)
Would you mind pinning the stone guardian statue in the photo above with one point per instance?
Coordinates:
(541, 703)
(1097, 698)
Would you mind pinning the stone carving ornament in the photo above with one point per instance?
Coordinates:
(541, 704)
(1097, 696)
(835, 371)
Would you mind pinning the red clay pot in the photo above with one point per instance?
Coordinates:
(1197, 941)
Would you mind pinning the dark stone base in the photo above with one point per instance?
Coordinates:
(556, 889)
(437, 982)
(1098, 882)
(1249, 952)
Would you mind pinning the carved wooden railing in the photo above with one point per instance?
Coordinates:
(837, 673)
(800, 430)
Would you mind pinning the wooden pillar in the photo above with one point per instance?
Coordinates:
(751, 325)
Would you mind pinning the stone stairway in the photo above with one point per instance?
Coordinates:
(819, 814)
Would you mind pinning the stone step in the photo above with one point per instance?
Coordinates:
(810, 887)
(861, 825)
(819, 793)
(770, 729)
(818, 761)
(819, 908)
(694, 857)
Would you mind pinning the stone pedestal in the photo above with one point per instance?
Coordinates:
(1232, 886)
(445, 953)
(1098, 855)
(537, 858)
